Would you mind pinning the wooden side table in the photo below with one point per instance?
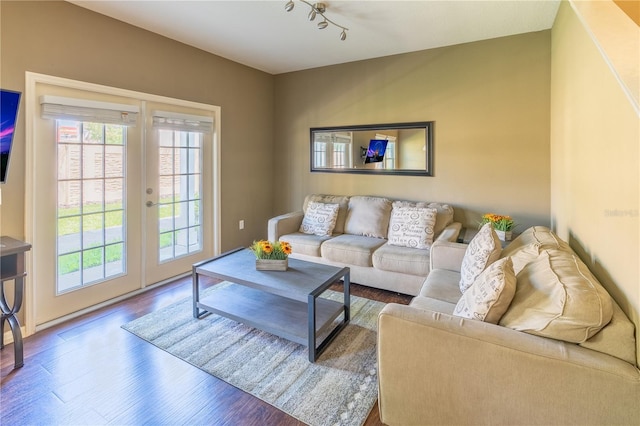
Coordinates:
(12, 268)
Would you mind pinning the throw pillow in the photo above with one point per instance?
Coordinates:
(319, 219)
(444, 215)
(412, 227)
(341, 200)
(368, 216)
(489, 296)
(483, 250)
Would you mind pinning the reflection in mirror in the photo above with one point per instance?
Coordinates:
(405, 149)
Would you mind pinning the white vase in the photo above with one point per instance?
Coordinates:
(504, 235)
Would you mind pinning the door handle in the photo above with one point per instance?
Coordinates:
(151, 204)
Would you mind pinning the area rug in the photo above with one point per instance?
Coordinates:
(339, 389)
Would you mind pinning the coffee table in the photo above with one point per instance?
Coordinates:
(284, 303)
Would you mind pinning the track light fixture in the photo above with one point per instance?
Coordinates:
(318, 9)
(289, 6)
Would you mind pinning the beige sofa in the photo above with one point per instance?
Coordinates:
(439, 368)
(360, 238)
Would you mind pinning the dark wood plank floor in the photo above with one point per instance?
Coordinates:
(89, 371)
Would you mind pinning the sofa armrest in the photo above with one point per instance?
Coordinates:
(435, 368)
(447, 255)
(284, 224)
(450, 233)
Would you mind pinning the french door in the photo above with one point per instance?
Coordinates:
(123, 196)
(177, 207)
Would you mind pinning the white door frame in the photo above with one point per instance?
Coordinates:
(31, 109)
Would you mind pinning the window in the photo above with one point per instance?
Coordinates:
(332, 150)
(320, 154)
(340, 155)
(90, 212)
(390, 156)
(180, 189)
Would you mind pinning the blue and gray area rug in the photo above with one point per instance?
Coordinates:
(339, 389)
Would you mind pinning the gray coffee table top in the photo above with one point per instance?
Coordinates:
(298, 282)
(284, 303)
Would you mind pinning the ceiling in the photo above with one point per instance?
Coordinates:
(262, 35)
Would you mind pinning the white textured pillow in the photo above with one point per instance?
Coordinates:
(483, 250)
(319, 219)
(412, 227)
(489, 296)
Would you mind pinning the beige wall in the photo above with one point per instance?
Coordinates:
(524, 125)
(63, 40)
(595, 158)
(490, 103)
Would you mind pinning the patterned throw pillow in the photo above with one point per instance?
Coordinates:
(412, 227)
(319, 219)
(489, 296)
(483, 250)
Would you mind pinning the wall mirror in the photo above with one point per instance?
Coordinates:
(394, 149)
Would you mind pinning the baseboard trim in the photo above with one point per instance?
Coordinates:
(8, 335)
(109, 302)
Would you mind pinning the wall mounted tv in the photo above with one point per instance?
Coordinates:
(9, 105)
(375, 153)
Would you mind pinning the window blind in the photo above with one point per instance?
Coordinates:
(182, 122)
(61, 108)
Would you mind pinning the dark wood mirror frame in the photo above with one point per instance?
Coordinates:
(382, 149)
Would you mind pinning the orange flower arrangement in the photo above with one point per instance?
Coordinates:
(498, 221)
(277, 250)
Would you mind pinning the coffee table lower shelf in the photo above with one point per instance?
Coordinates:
(277, 315)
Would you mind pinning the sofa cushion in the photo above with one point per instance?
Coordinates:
(402, 259)
(411, 226)
(539, 236)
(341, 200)
(368, 216)
(430, 304)
(483, 250)
(319, 218)
(490, 294)
(558, 297)
(351, 249)
(307, 244)
(616, 338)
(444, 215)
(528, 245)
(442, 284)
(521, 257)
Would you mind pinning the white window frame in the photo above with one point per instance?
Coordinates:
(32, 112)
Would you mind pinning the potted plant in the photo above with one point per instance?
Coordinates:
(271, 256)
(502, 224)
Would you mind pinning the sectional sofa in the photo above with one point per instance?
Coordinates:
(533, 339)
(520, 335)
(385, 243)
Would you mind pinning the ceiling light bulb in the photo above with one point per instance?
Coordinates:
(289, 6)
(322, 25)
(312, 15)
(343, 35)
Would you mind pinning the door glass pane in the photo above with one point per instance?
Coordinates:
(91, 193)
(180, 186)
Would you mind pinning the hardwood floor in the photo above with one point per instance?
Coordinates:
(89, 371)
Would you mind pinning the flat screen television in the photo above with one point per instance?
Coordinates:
(375, 153)
(9, 105)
